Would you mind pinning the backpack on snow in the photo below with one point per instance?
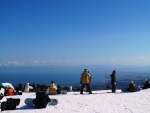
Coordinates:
(8, 106)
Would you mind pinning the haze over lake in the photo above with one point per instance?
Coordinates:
(67, 74)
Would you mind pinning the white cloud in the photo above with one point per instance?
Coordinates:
(15, 63)
(58, 61)
(11, 64)
(36, 62)
(45, 61)
(113, 60)
(142, 58)
(67, 61)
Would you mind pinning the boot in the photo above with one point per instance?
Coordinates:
(90, 92)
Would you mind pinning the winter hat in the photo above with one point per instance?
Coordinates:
(52, 82)
(27, 83)
(114, 71)
(131, 82)
(85, 69)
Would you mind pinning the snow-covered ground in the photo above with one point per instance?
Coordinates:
(102, 101)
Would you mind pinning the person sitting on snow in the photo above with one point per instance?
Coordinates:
(146, 84)
(132, 87)
(7, 85)
(9, 89)
(52, 89)
(27, 88)
(41, 100)
(10, 92)
(58, 89)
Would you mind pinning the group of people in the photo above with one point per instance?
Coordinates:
(85, 80)
(9, 90)
(42, 97)
(133, 87)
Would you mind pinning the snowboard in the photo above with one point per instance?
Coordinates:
(63, 91)
(29, 101)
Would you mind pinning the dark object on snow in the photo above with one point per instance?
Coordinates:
(41, 100)
(132, 87)
(1, 96)
(113, 81)
(146, 84)
(58, 89)
(8, 106)
(15, 100)
(20, 93)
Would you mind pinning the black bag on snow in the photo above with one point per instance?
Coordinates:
(8, 106)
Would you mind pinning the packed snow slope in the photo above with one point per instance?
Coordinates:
(102, 101)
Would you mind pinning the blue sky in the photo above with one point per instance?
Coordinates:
(74, 32)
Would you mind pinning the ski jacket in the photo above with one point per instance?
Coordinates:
(132, 87)
(113, 78)
(51, 90)
(10, 92)
(41, 100)
(27, 88)
(85, 78)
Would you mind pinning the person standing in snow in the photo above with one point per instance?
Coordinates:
(113, 81)
(85, 81)
(90, 79)
(27, 88)
(70, 88)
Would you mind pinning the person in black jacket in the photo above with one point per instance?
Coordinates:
(146, 84)
(41, 100)
(113, 81)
